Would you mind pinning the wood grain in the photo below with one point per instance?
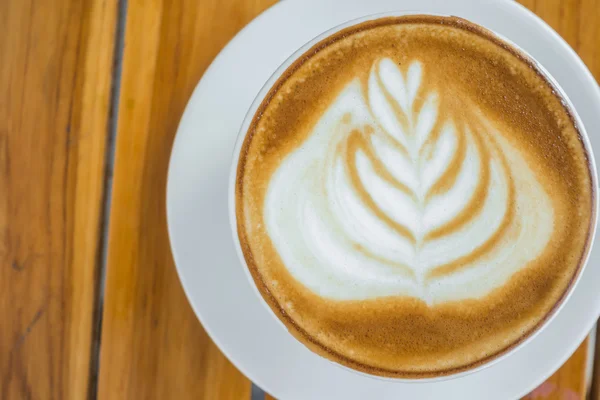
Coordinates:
(55, 80)
(153, 347)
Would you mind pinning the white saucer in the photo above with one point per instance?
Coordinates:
(211, 274)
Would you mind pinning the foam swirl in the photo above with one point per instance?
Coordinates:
(397, 193)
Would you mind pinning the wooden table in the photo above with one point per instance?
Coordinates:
(91, 92)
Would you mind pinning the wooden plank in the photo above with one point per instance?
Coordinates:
(55, 85)
(153, 347)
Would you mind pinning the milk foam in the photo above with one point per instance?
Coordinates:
(388, 196)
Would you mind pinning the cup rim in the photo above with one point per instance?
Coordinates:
(283, 67)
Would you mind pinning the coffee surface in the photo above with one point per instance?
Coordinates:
(413, 198)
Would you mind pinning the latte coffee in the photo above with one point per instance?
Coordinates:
(413, 197)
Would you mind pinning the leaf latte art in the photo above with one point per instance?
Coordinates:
(401, 189)
(413, 197)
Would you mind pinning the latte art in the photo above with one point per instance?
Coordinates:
(389, 196)
(412, 197)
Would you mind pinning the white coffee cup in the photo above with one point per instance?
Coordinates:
(261, 96)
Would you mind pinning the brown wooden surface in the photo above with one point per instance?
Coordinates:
(55, 78)
(56, 64)
(153, 347)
